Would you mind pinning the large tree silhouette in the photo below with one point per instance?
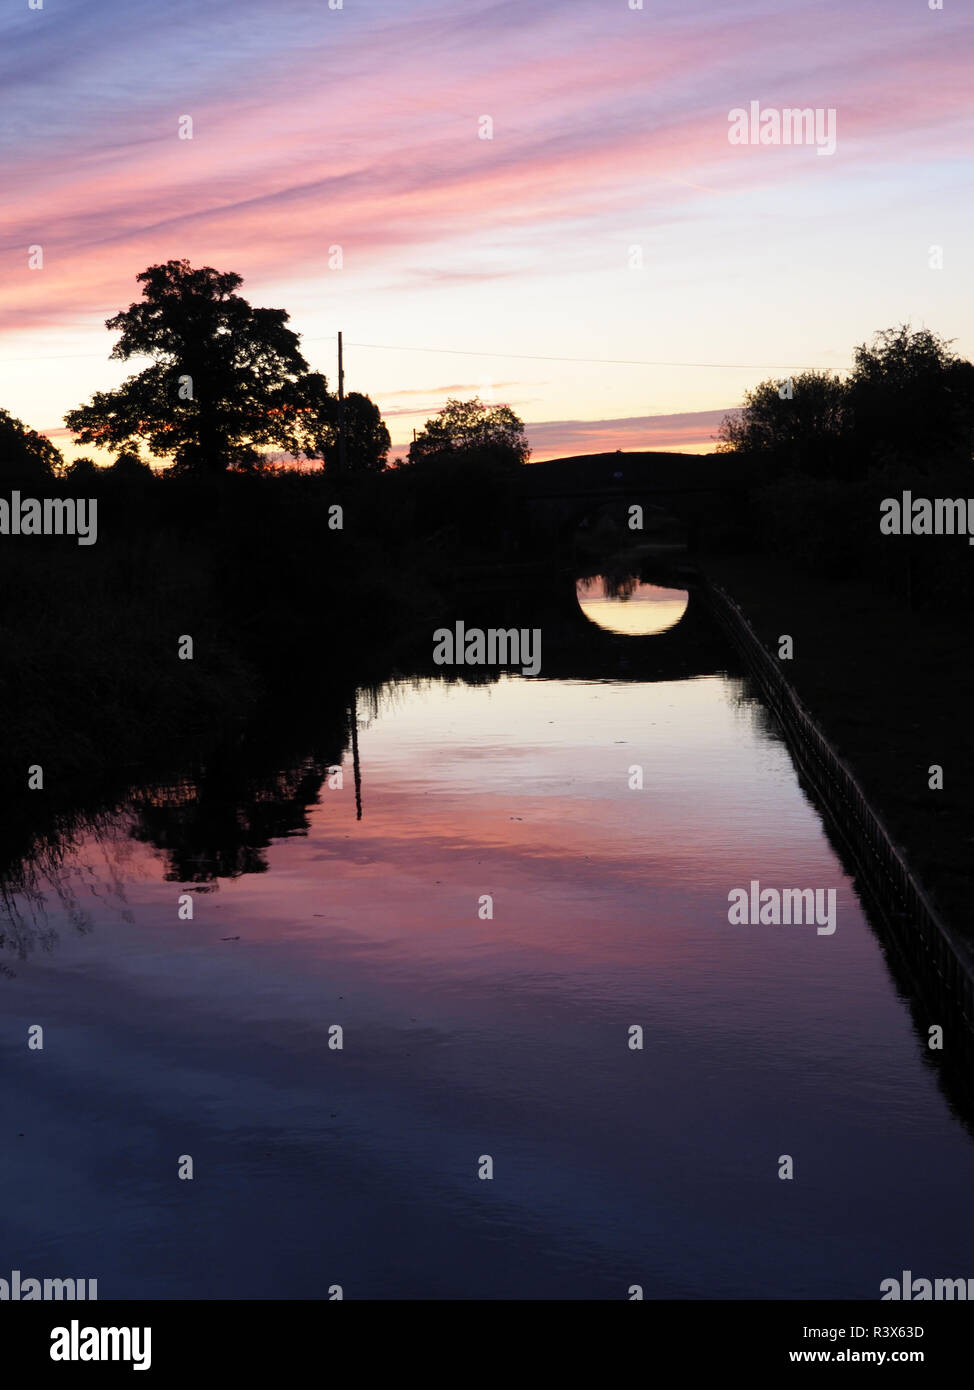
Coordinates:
(226, 378)
(912, 398)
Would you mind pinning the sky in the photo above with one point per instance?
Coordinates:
(608, 262)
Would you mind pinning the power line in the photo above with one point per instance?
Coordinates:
(586, 361)
(513, 356)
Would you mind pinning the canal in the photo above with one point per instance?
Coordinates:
(509, 954)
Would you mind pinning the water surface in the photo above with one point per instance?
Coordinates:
(467, 1035)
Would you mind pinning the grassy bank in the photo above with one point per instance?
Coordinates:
(893, 690)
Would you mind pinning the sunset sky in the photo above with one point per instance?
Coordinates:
(470, 265)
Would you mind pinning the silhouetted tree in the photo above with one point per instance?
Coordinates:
(909, 399)
(25, 454)
(223, 382)
(130, 464)
(796, 423)
(366, 437)
(468, 432)
(81, 468)
(912, 399)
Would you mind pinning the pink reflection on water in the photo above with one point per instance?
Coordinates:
(592, 882)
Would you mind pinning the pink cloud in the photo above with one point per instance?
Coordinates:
(267, 185)
(688, 432)
(691, 431)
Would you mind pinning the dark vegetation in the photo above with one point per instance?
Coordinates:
(226, 382)
(884, 657)
(824, 453)
(293, 564)
(301, 569)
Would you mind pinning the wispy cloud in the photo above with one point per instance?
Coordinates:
(431, 392)
(591, 122)
(359, 128)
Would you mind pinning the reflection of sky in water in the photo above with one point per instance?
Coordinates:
(506, 1036)
(639, 610)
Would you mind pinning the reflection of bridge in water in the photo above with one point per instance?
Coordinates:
(573, 647)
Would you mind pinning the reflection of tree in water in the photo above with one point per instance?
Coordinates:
(619, 585)
(209, 822)
(218, 824)
(217, 821)
(213, 821)
(214, 824)
(52, 867)
(616, 583)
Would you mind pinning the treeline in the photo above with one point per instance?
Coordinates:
(228, 390)
(825, 451)
(274, 534)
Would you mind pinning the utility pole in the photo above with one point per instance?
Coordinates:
(341, 410)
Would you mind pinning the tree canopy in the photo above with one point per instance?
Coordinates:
(367, 440)
(466, 432)
(226, 378)
(797, 422)
(82, 470)
(908, 398)
(130, 465)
